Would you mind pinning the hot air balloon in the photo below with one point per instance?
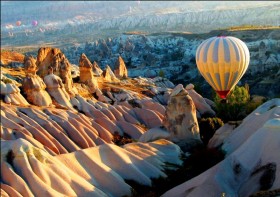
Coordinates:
(34, 23)
(222, 61)
(18, 23)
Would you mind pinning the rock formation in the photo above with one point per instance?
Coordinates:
(33, 86)
(200, 104)
(66, 77)
(48, 57)
(108, 75)
(11, 92)
(56, 59)
(56, 89)
(86, 73)
(251, 164)
(180, 118)
(155, 134)
(97, 71)
(85, 67)
(28, 170)
(120, 68)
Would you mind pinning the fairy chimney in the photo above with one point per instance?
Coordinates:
(120, 68)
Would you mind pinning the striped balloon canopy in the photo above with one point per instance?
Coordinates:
(222, 61)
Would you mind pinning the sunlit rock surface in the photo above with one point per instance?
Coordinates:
(33, 85)
(86, 73)
(154, 134)
(11, 92)
(27, 170)
(200, 103)
(109, 75)
(252, 162)
(56, 59)
(180, 118)
(97, 71)
(56, 89)
(120, 68)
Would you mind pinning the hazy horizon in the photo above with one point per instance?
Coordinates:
(54, 11)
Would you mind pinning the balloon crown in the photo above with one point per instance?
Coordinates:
(221, 36)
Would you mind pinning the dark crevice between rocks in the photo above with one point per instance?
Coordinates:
(10, 157)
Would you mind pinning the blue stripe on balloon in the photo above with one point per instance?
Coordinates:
(198, 52)
(216, 50)
(226, 51)
(236, 50)
(226, 79)
(217, 75)
(211, 81)
(235, 76)
(205, 52)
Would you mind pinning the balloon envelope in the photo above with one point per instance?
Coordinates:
(222, 61)
(34, 23)
(18, 23)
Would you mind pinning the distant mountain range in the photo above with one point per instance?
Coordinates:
(140, 15)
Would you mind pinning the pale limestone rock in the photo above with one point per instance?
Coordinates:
(120, 68)
(155, 134)
(33, 86)
(147, 117)
(48, 57)
(132, 130)
(220, 135)
(56, 59)
(199, 102)
(110, 95)
(180, 118)
(152, 105)
(96, 171)
(97, 71)
(251, 163)
(56, 89)
(86, 74)
(66, 77)
(102, 97)
(76, 103)
(85, 68)
(109, 76)
(12, 94)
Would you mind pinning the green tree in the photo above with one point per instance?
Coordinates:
(235, 107)
(208, 127)
(161, 73)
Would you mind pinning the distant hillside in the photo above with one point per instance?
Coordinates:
(91, 21)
